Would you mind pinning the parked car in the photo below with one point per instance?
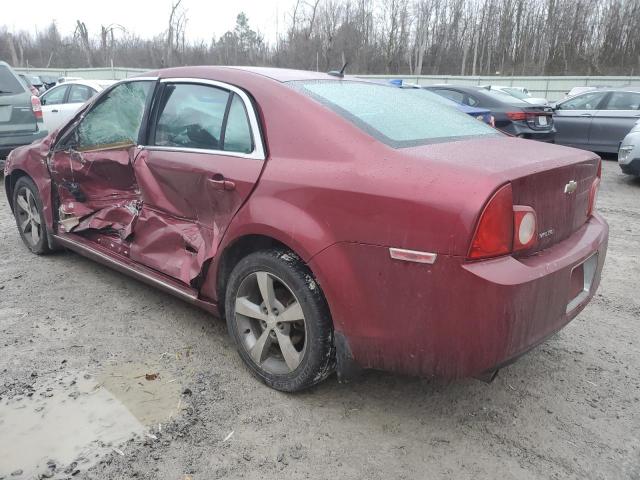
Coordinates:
(482, 114)
(27, 82)
(62, 101)
(512, 116)
(520, 93)
(335, 223)
(582, 89)
(629, 153)
(597, 120)
(37, 82)
(49, 81)
(20, 113)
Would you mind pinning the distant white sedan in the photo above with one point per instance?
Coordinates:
(62, 101)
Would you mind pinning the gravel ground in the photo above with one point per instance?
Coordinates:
(74, 331)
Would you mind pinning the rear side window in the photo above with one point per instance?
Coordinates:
(395, 116)
(202, 117)
(9, 84)
(623, 101)
(116, 119)
(451, 95)
(237, 136)
(80, 93)
(587, 101)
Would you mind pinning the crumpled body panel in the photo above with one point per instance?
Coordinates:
(173, 246)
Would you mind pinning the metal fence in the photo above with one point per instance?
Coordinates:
(552, 88)
(115, 73)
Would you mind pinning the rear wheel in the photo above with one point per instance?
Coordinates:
(280, 321)
(27, 209)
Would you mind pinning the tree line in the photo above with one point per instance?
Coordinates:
(436, 37)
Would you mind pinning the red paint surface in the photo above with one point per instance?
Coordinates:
(340, 199)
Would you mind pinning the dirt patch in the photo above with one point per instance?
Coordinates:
(570, 409)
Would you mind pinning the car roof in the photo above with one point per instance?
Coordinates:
(96, 84)
(278, 74)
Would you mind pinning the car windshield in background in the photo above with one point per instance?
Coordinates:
(504, 97)
(8, 83)
(395, 116)
(516, 93)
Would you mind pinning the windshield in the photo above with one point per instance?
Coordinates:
(398, 117)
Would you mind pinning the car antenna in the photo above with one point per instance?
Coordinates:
(340, 73)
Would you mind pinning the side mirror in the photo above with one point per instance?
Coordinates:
(43, 101)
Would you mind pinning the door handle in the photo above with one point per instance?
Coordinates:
(54, 111)
(218, 182)
(586, 115)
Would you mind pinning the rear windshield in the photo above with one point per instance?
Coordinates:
(9, 84)
(395, 116)
(516, 93)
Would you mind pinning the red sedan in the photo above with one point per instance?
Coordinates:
(335, 223)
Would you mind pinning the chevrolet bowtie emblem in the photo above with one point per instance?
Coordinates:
(570, 187)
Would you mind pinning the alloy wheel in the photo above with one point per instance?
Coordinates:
(270, 323)
(29, 219)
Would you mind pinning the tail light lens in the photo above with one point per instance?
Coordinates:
(503, 227)
(595, 188)
(517, 116)
(525, 231)
(494, 234)
(593, 196)
(36, 106)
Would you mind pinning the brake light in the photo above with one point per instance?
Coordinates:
(494, 234)
(516, 116)
(503, 227)
(36, 106)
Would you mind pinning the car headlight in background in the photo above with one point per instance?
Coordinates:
(624, 153)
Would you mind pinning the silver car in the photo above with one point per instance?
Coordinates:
(629, 153)
(597, 120)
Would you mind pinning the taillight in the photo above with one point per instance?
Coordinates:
(503, 227)
(595, 188)
(593, 196)
(494, 234)
(525, 227)
(36, 106)
(516, 116)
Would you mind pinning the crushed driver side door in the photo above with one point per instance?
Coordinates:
(92, 168)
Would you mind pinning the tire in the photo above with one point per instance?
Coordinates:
(299, 313)
(27, 210)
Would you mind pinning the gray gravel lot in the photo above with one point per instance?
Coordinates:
(74, 331)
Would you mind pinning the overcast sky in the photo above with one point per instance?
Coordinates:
(147, 17)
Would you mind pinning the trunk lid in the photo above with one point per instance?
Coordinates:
(560, 197)
(539, 174)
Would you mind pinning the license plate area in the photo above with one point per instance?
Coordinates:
(542, 121)
(582, 277)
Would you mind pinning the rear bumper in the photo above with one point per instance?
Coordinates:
(522, 130)
(453, 318)
(9, 142)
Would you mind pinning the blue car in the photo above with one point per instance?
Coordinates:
(479, 113)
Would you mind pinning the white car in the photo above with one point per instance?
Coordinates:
(520, 93)
(629, 153)
(62, 101)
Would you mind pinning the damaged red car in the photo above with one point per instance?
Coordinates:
(337, 224)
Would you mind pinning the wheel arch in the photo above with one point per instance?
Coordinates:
(10, 183)
(216, 282)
